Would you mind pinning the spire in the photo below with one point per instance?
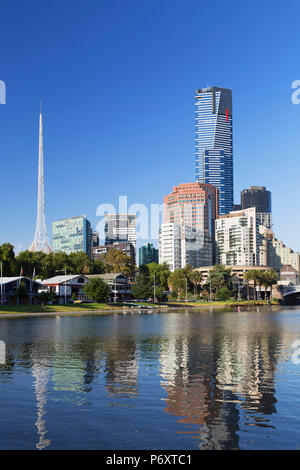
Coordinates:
(41, 241)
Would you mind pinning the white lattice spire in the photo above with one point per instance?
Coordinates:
(41, 240)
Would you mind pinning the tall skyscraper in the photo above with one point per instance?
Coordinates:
(41, 241)
(259, 197)
(193, 204)
(214, 153)
(71, 235)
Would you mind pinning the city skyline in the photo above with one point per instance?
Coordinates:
(81, 131)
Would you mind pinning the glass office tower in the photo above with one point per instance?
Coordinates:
(214, 154)
(259, 197)
(70, 235)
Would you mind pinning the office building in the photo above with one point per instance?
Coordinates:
(120, 228)
(94, 238)
(148, 254)
(237, 238)
(193, 204)
(99, 252)
(181, 245)
(275, 253)
(214, 150)
(289, 275)
(71, 235)
(260, 198)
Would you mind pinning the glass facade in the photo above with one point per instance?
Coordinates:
(148, 254)
(70, 235)
(214, 152)
(259, 197)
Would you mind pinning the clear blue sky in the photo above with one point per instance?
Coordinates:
(117, 80)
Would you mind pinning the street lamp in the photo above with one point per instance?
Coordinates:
(1, 283)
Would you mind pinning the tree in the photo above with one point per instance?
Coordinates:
(178, 283)
(268, 280)
(255, 276)
(219, 277)
(118, 261)
(46, 297)
(80, 262)
(143, 287)
(97, 290)
(196, 279)
(161, 272)
(7, 257)
(223, 294)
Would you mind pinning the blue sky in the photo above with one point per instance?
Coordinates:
(117, 80)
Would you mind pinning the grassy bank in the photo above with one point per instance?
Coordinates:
(105, 308)
(13, 309)
(222, 303)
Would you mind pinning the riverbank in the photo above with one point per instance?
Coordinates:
(106, 309)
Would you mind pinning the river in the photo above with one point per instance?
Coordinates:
(211, 379)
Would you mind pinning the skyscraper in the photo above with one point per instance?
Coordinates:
(259, 197)
(214, 154)
(193, 204)
(121, 229)
(41, 241)
(181, 245)
(71, 235)
(148, 254)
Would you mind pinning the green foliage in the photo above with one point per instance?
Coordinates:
(160, 294)
(178, 282)
(46, 297)
(195, 278)
(46, 266)
(143, 287)
(219, 277)
(7, 257)
(118, 261)
(223, 294)
(162, 274)
(97, 290)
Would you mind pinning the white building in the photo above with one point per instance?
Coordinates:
(169, 248)
(181, 245)
(275, 253)
(64, 286)
(237, 238)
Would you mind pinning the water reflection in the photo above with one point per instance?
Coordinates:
(222, 365)
(41, 376)
(217, 374)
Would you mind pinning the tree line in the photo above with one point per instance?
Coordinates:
(157, 282)
(44, 266)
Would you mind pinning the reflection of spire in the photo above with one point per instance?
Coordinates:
(41, 374)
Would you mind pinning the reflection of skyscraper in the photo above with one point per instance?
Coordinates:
(211, 377)
(214, 154)
(121, 367)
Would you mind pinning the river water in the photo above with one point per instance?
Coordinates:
(177, 380)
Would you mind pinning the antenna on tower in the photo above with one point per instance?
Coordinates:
(41, 240)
